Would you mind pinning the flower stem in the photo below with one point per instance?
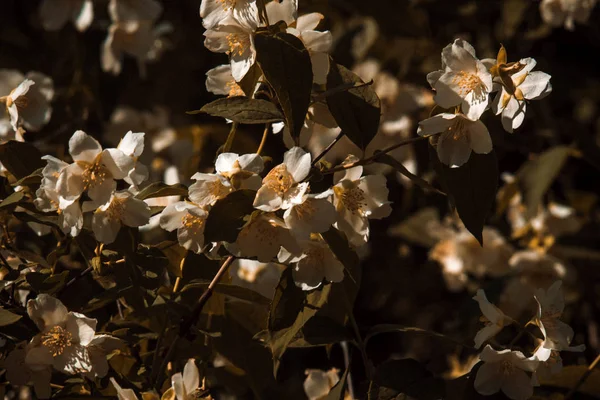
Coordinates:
(326, 150)
(263, 140)
(229, 142)
(583, 377)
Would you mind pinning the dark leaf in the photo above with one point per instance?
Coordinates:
(50, 219)
(159, 189)
(472, 188)
(20, 159)
(46, 283)
(35, 178)
(393, 328)
(249, 81)
(345, 253)
(358, 110)
(397, 165)
(243, 110)
(174, 253)
(237, 292)
(286, 65)
(535, 177)
(8, 318)
(226, 217)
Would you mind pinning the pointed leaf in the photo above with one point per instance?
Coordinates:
(243, 110)
(226, 217)
(20, 158)
(8, 318)
(159, 189)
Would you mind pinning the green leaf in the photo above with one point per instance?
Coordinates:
(345, 253)
(8, 318)
(472, 188)
(243, 110)
(35, 178)
(20, 158)
(397, 165)
(159, 189)
(174, 253)
(286, 65)
(408, 376)
(12, 200)
(535, 177)
(237, 292)
(358, 110)
(226, 217)
(46, 283)
(290, 310)
(338, 391)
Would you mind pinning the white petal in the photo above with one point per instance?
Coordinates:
(309, 21)
(225, 162)
(267, 199)
(489, 379)
(320, 68)
(535, 85)
(191, 378)
(436, 124)
(132, 144)
(453, 151)
(297, 162)
(350, 174)
(513, 115)
(172, 216)
(479, 137)
(251, 162)
(316, 41)
(135, 212)
(105, 226)
(217, 80)
(47, 311)
(117, 162)
(84, 16)
(100, 192)
(178, 386)
(81, 328)
(83, 147)
(491, 312)
(285, 11)
(485, 334)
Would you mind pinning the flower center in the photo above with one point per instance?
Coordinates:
(466, 82)
(192, 222)
(306, 210)
(279, 179)
(116, 208)
(234, 89)
(352, 199)
(217, 190)
(238, 43)
(94, 173)
(227, 4)
(457, 130)
(57, 340)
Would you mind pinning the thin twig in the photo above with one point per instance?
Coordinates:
(328, 148)
(583, 378)
(186, 325)
(344, 345)
(375, 156)
(263, 140)
(229, 142)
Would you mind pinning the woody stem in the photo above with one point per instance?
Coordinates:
(583, 378)
(263, 140)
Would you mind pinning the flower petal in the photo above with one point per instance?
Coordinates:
(47, 311)
(81, 328)
(83, 147)
(297, 162)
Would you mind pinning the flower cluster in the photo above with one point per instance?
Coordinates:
(464, 86)
(510, 370)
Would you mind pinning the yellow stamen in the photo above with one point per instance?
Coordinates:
(57, 340)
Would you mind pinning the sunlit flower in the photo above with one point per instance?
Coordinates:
(459, 136)
(283, 186)
(186, 385)
(47, 199)
(236, 38)
(94, 170)
(132, 145)
(357, 199)
(463, 80)
(512, 98)
(316, 263)
(505, 370)
(242, 171)
(56, 13)
(133, 13)
(121, 209)
(263, 236)
(566, 12)
(65, 339)
(189, 220)
(123, 394)
(216, 12)
(493, 317)
(318, 383)
(314, 214)
(27, 99)
(220, 81)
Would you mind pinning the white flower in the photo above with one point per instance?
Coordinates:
(133, 13)
(215, 12)
(220, 81)
(132, 145)
(522, 85)
(65, 338)
(189, 221)
(505, 370)
(567, 12)
(283, 186)
(318, 383)
(315, 214)
(551, 303)
(70, 219)
(27, 99)
(121, 209)
(242, 171)
(357, 199)
(187, 384)
(263, 236)
(255, 275)
(459, 136)
(463, 80)
(234, 37)
(94, 170)
(56, 13)
(495, 319)
(317, 262)
(208, 188)
(123, 394)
